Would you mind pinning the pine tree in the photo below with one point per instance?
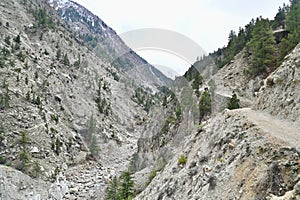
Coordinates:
(24, 159)
(280, 17)
(261, 47)
(293, 27)
(91, 127)
(93, 147)
(126, 185)
(196, 83)
(112, 190)
(204, 105)
(233, 102)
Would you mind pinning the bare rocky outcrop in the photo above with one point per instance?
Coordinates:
(233, 77)
(280, 96)
(232, 157)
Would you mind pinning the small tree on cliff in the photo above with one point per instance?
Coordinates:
(204, 104)
(233, 102)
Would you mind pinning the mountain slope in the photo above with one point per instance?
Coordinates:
(107, 44)
(63, 108)
(242, 153)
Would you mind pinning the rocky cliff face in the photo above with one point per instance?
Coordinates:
(279, 95)
(229, 158)
(239, 154)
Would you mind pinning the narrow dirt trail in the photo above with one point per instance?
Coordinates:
(283, 130)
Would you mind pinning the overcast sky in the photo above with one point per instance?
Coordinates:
(207, 22)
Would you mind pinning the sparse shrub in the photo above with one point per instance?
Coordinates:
(151, 176)
(233, 102)
(36, 170)
(103, 106)
(1, 134)
(46, 52)
(26, 66)
(178, 112)
(54, 118)
(53, 130)
(56, 172)
(66, 60)
(212, 181)
(116, 76)
(7, 40)
(105, 86)
(37, 101)
(12, 62)
(148, 104)
(24, 157)
(18, 70)
(4, 101)
(165, 101)
(28, 96)
(57, 146)
(58, 54)
(26, 80)
(2, 63)
(15, 47)
(36, 75)
(5, 52)
(24, 140)
(70, 143)
(2, 160)
(182, 160)
(17, 39)
(21, 57)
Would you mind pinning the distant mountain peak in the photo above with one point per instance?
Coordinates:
(102, 38)
(73, 12)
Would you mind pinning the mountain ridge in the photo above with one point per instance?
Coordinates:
(102, 38)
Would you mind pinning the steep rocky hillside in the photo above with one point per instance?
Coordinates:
(279, 95)
(104, 41)
(242, 153)
(61, 106)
